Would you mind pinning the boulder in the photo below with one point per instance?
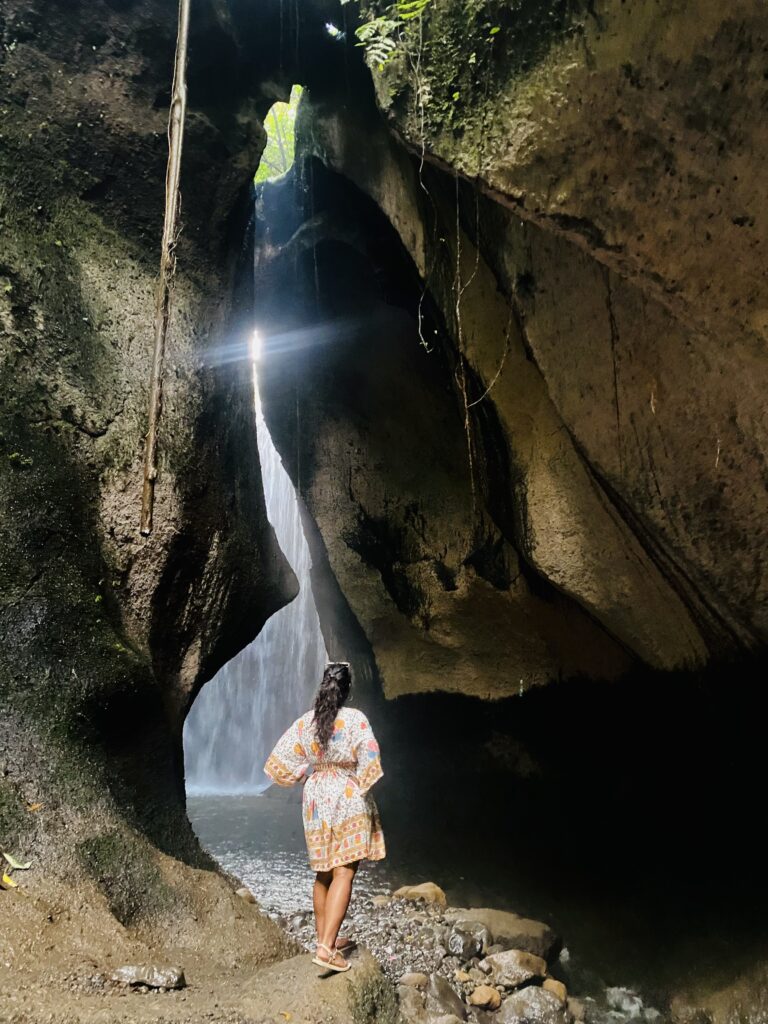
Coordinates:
(485, 997)
(468, 939)
(557, 988)
(513, 967)
(441, 999)
(150, 975)
(427, 891)
(411, 1002)
(532, 1005)
(415, 979)
(509, 930)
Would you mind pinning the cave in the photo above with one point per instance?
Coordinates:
(512, 315)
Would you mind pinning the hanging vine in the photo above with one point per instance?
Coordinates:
(176, 119)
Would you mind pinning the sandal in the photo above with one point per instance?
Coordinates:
(329, 964)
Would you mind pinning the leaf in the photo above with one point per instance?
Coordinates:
(8, 883)
(286, 1014)
(32, 808)
(15, 864)
(494, 30)
(456, 96)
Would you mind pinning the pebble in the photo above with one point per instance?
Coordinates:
(485, 997)
(557, 988)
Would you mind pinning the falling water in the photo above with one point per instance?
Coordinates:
(239, 715)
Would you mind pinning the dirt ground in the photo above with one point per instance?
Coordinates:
(59, 949)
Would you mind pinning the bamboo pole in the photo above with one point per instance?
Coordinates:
(176, 118)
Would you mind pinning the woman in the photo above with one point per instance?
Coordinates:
(341, 822)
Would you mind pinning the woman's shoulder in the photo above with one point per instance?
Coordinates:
(357, 716)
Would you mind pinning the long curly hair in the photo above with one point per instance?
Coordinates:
(334, 690)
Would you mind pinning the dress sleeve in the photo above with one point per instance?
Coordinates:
(288, 762)
(368, 756)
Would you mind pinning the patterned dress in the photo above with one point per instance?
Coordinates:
(341, 821)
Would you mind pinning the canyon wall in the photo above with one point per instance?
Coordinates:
(108, 635)
(557, 466)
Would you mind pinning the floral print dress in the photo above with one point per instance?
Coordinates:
(341, 821)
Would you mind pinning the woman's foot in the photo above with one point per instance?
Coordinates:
(330, 959)
(345, 943)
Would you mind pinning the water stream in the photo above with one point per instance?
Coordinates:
(240, 714)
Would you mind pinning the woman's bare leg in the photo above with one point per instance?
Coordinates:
(336, 904)
(319, 896)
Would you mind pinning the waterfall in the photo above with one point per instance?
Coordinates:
(241, 713)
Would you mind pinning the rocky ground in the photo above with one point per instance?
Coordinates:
(417, 961)
(479, 965)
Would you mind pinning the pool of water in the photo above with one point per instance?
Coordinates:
(260, 839)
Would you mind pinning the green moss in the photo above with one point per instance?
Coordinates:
(372, 998)
(467, 52)
(127, 874)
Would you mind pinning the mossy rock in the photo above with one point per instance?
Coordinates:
(127, 874)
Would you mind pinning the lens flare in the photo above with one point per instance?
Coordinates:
(255, 345)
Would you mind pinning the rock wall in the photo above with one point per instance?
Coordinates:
(607, 421)
(106, 635)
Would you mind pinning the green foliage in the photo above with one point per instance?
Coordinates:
(377, 36)
(381, 37)
(277, 157)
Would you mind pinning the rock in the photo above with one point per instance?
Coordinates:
(576, 1008)
(514, 967)
(441, 999)
(247, 895)
(427, 891)
(381, 901)
(624, 1000)
(509, 930)
(557, 988)
(532, 1005)
(485, 997)
(150, 975)
(414, 979)
(411, 1002)
(478, 1016)
(469, 939)
(441, 952)
(477, 975)
(446, 1018)
(462, 976)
